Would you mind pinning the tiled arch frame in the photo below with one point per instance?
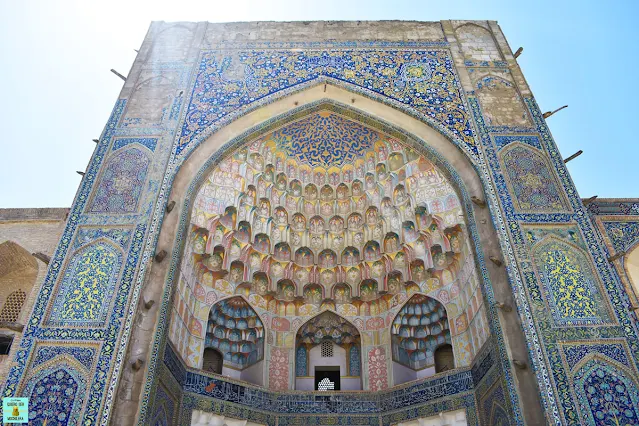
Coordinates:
(68, 378)
(596, 292)
(69, 274)
(456, 158)
(626, 378)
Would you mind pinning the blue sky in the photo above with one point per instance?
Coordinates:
(58, 91)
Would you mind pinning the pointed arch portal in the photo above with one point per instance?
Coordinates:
(365, 284)
(326, 208)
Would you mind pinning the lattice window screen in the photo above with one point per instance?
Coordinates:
(327, 349)
(12, 307)
(325, 385)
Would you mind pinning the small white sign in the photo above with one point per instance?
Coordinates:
(15, 410)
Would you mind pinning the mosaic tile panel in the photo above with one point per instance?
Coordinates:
(301, 361)
(569, 281)
(576, 351)
(149, 143)
(86, 288)
(56, 395)
(533, 184)
(623, 235)
(565, 273)
(86, 235)
(624, 207)
(494, 406)
(354, 361)
(83, 354)
(377, 369)
(326, 140)
(606, 395)
(422, 80)
(165, 408)
(121, 183)
(502, 141)
(278, 369)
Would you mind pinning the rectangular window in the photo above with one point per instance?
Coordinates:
(5, 344)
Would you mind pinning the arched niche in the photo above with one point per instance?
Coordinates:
(212, 361)
(18, 274)
(571, 287)
(455, 160)
(236, 332)
(444, 358)
(477, 43)
(310, 242)
(326, 343)
(421, 340)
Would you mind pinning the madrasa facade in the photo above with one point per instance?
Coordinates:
(323, 223)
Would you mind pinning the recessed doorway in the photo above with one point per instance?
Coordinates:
(327, 378)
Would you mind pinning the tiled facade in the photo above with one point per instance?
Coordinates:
(116, 333)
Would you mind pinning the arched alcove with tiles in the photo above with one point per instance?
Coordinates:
(234, 333)
(325, 343)
(420, 334)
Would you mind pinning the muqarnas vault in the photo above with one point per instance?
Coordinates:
(325, 223)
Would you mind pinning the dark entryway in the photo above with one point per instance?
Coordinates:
(327, 378)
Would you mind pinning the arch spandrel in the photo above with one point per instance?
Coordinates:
(414, 85)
